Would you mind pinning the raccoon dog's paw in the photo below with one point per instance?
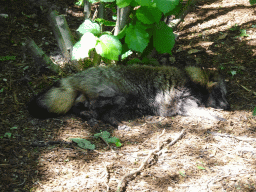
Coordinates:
(111, 120)
(92, 122)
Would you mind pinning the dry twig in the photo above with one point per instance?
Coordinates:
(144, 163)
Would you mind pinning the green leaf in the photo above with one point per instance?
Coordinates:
(7, 134)
(148, 15)
(109, 46)
(112, 140)
(122, 33)
(150, 61)
(123, 3)
(107, 1)
(254, 112)
(105, 22)
(118, 144)
(94, 1)
(81, 48)
(134, 60)
(126, 54)
(136, 38)
(182, 173)
(144, 2)
(97, 135)
(234, 28)
(177, 10)
(233, 73)
(89, 26)
(83, 143)
(79, 3)
(243, 33)
(163, 38)
(103, 135)
(199, 167)
(252, 2)
(166, 5)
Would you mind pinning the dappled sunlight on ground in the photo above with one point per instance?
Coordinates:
(210, 156)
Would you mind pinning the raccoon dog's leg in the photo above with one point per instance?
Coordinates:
(104, 108)
(109, 109)
(83, 110)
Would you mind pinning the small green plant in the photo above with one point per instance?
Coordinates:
(243, 33)
(200, 167)
(254, 112)
(234, 28)
(79, 3)
(83, 143)
(252, 2)
(222, 67)
(8, 135)
(233, 73)
(105, 135)
(182, 173)
(7, 58)
(13, 128)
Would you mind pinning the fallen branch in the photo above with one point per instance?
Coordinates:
(248, 90)
(41, 59)
(173, 142)
(144, 163)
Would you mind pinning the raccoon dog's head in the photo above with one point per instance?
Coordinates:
(53, 102)
(215, 86)
(218, 92)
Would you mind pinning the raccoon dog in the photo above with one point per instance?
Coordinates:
(107, 93)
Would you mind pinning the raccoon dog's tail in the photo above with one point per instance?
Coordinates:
(56, 101)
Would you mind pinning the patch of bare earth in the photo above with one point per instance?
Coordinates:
(210, 156)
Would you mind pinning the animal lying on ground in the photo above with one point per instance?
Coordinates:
(109, 93)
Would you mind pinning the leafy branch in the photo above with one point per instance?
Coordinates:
(142, 30)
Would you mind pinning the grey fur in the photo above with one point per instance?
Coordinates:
(109, 92)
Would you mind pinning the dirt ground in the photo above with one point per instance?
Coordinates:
(209, 156)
